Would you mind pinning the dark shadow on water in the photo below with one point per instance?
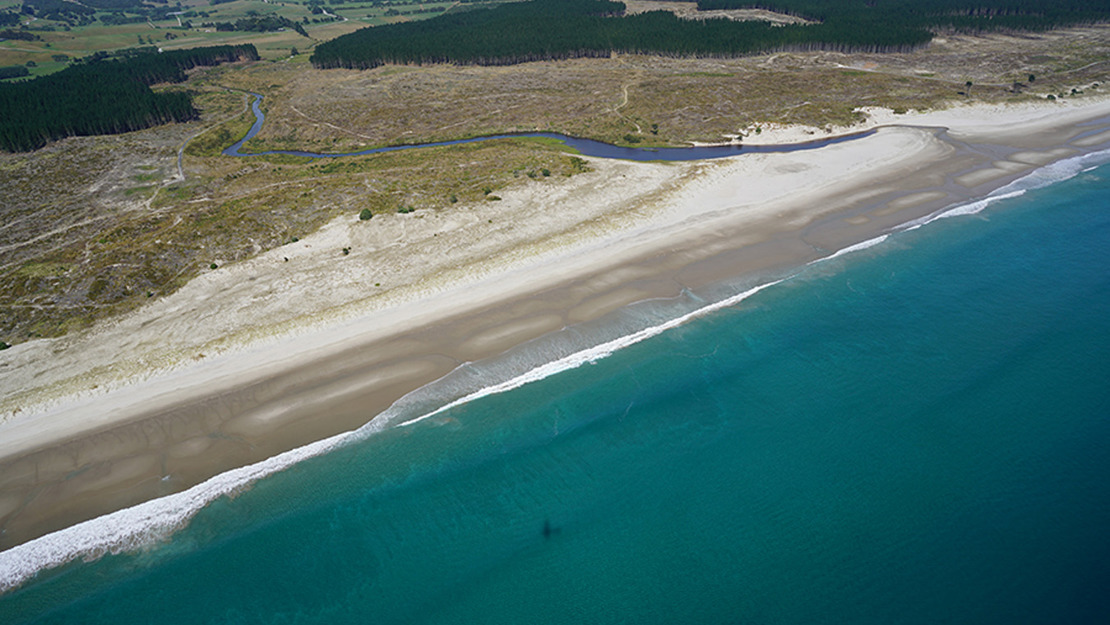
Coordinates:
(549, 530)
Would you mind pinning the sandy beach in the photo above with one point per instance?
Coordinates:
(299, 343)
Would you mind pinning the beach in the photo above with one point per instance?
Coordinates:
(298, 344)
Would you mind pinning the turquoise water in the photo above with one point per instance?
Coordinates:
(917, 432)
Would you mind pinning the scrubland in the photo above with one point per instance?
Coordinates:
(96, 226)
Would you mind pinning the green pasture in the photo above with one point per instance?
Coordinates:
(58, 37)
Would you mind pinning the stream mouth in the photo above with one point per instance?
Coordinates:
(585, 147)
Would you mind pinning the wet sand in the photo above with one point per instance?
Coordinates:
(273, 376)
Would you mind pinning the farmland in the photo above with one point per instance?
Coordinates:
(192, 23)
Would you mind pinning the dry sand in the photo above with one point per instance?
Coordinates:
(304, 342)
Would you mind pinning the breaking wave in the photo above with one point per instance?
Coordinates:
(155, 521)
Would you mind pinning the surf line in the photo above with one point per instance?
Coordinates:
(585, 147)
(154, 520)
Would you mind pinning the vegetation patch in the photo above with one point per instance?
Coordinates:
(146, 191)
(658, 101)
(87, 265)
(103, 96)
(562, 29)
(214, 140)
(43, 270)
(85, 250)
(872, 16)
(708, 74)
(13, 71)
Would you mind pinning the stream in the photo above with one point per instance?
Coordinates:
(586, 147)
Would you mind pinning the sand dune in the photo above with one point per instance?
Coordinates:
(302, 342)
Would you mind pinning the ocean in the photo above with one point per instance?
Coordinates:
(915, 431)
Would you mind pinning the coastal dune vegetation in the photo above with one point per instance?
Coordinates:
(135, 224)
(123, 232)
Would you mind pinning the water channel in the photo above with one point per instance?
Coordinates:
(586, 147)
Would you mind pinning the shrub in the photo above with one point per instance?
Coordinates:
(578, 165)
(14, 71)
(365, 214)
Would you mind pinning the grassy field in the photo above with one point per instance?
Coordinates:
(81, 41)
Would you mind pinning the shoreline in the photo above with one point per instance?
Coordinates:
(696, 227)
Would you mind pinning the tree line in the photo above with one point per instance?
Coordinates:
(120, 5)
(261, 24)
(13, 71)
(933, 15)
(559, 29)
(104, 96)
(21, 35)
(58, 10)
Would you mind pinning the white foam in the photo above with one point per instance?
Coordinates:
(144, 524)
(1059, 171)
(154, 521)
(593, 354)
(852, 248)
(606, 349)
(1042, 177)
(978, 206)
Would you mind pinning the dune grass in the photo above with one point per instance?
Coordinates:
(124, 228)
(64, 266)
